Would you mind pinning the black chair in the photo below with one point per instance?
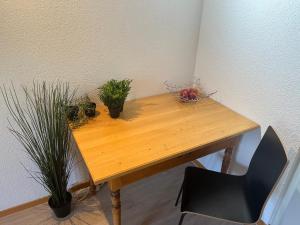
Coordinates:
(235, 198)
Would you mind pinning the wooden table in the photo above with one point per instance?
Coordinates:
(154, 134)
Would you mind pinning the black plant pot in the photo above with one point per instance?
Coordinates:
(90, 110)
(122, 106)
(62, 210)
(114, 112)
(72, 112)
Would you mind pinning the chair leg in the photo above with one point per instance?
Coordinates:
(179, 194)
(181, 218)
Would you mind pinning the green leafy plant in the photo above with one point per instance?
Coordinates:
(83, 102)
(80, 111)
(41, 126)
(114, 93)
(80, 118)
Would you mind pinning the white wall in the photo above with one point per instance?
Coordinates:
(288, 211)
(86, 43)
(250, 52)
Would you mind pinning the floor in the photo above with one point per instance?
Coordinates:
(147, 202)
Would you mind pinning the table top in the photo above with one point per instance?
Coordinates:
(151, 130)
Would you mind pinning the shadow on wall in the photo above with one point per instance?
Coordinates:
(79, 172)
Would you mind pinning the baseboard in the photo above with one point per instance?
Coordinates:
(260, 222)
(198, 164)
(23, 206)
(79, 186)
(30, 204)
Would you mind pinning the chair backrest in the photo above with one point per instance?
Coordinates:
(266, 166)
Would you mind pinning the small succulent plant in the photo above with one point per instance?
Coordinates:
(81, 110)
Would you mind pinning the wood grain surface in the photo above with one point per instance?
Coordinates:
(152, 130)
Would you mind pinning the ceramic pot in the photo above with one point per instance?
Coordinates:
(114, 112)
(90, 110)
(62, 210)
(72, 112)
(122, 106)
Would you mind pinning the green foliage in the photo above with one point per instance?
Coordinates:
(113, 93)
(81, 118)
(83, 102)
(40, 125)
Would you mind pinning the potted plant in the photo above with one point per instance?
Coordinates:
(113, 94)
(40, 125)
(90, 109)
(87, 106)
(80, 111)
(125, 87)
(72, 112)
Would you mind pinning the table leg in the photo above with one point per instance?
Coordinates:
(92, 187)
(116, 207)
(227, 159)
(228, 155)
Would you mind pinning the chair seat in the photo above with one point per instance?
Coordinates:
(216, 195)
